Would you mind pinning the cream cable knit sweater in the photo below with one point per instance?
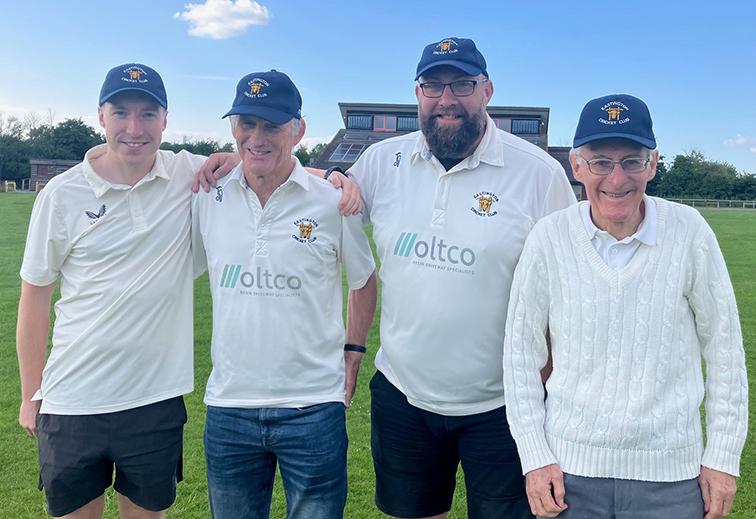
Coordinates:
(624, 396)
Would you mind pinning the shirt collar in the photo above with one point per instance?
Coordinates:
(100, 186)
(299, 175)
(487, 150)
(646, 232)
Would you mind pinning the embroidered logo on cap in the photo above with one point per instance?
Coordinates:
(486, 200)
(255, 88)
(134, 75)
(446, 46)
(614, 111)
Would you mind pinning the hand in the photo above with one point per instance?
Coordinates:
(545, 488)
(718, 491)
(27, 416)
(351, 202)
(217, 165)
(352, 361)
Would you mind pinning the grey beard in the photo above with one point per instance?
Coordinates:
(451, 143)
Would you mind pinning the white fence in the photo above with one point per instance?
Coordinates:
(696, 202)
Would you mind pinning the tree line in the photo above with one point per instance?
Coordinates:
(35, 138)
(692, 175)
(689, 175)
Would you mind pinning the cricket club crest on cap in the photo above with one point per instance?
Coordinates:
(615, 116)
(456, 52)
(134, 76)
(269, 95)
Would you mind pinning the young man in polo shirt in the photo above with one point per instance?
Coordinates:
(274, 243)
(116, 231)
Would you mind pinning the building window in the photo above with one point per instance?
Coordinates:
(384, 123)
(360, 122)
(503, 124)
(346, 152)
(61, 169)
(526, 126)
(407, 124)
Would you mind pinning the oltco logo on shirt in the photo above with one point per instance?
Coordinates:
(260, 279)
(437, 250)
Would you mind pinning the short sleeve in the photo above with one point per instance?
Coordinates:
(355, 253)
(47, 242)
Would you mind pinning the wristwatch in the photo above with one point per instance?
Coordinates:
(331, 170)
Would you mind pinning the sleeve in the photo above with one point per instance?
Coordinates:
(559, 194)
(355, 253)
(525, 354)
(363, 175)
(199, 255)
(712, 301)
(47, 242)
(192, 163)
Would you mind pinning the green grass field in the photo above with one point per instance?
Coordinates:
(20, 499)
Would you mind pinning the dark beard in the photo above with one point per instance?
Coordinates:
(449, 142)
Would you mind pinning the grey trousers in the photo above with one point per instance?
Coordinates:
(605, 498)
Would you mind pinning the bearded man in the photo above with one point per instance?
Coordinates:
(446, 267)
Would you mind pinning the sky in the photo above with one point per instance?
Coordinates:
(692, 62)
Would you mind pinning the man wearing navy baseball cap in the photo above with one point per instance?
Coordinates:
(632, 292)
(116, 231)
(284, 369)
(450, 206)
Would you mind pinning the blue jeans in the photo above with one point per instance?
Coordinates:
(242, 447)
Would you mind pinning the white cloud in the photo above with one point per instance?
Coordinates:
(221, 19)
(311, 142)
(13, 111)
(741, 141)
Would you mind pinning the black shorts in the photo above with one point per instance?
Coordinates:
(77, 454)
(416, 454)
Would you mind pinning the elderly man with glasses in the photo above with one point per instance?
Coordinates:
(632, 292)
(450, 206)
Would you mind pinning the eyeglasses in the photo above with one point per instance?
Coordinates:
(461, 88)
(605, 166)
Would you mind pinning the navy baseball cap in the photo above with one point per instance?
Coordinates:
(456, 52)
(134, 76)
(270, 95)
(615, 116)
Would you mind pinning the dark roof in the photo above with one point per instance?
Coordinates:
(355, 140)
(562, 154)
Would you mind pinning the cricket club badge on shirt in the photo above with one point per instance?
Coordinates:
(305, 226)
(485, 204)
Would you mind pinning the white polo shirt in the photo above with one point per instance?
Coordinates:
(618, 253)
(276, 282)
(123, 332)
(448, 243)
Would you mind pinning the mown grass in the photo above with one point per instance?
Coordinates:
(19, 497)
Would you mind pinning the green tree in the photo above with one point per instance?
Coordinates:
(72, 138)
(744, 187)
(653, 187)
(303, 155)
(308, 157)
(14, 158)
(694, 176)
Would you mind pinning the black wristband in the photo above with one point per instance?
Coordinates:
(355, 347)
(331, 170)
